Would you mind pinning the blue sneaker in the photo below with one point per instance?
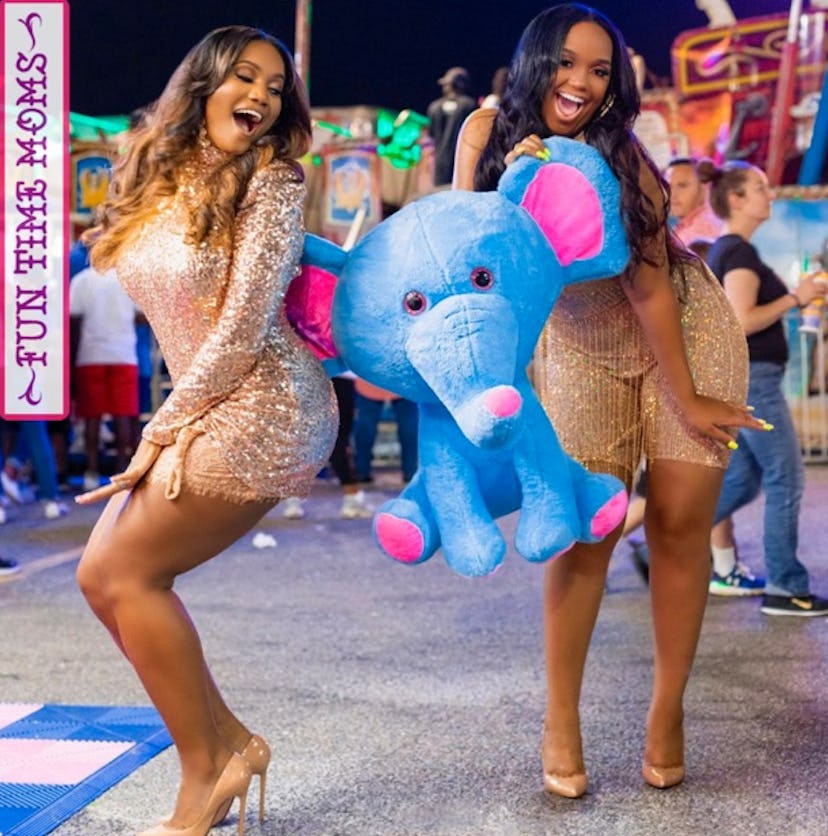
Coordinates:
(739, 582)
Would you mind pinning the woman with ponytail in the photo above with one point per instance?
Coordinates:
(740, 195)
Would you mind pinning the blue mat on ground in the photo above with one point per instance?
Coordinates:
(56, 759)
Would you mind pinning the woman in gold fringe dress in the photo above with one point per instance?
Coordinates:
(648, 364)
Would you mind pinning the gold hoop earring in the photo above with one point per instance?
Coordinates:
(607, 106)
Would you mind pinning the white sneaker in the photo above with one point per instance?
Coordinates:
(91, 481)
(54, 510)
(106, 436)
(354, 507)
(292, 508)
(17, 491)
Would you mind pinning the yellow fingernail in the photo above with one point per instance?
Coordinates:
(543, 154)
(766, 426)
(750, 408)
(732, 445)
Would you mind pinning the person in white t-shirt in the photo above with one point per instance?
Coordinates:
(103, 322)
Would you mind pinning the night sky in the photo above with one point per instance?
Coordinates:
(362, 52)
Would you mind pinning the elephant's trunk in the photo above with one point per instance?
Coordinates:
(464, 348)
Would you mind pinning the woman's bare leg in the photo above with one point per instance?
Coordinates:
(232, 730)
(681, 502)
(139, 546)
(573, 588)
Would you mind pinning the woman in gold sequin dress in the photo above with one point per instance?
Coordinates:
(205, 228)
(651, 363)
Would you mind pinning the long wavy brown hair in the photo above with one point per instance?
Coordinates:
(168, 133)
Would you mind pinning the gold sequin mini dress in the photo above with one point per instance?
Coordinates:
(251, 416)
(603, 389)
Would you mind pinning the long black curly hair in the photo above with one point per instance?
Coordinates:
(532, 70)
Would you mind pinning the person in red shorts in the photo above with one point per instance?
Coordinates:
(105, 365)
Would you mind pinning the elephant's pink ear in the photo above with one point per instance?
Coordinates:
(308, 304)
(309, 299)
(575, 200)
(574, 226)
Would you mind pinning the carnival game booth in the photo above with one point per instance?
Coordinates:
(94, 146)
(792, 241)
(365, 162)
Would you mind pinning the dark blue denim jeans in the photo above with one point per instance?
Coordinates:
(770, 462)
(368, 413)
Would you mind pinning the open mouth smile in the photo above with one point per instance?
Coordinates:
(568, 106)
(247, 120)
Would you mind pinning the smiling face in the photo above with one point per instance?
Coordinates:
(581, 82)
(249, 100)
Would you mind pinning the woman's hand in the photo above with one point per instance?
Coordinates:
(531, 146)
(809, 288)
(141, 462)
(717, 419)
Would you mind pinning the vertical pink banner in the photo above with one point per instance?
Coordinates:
(34, 148)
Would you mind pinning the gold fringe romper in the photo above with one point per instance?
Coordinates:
(603, 390)
(251, 416)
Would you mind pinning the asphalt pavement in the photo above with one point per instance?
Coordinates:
(407, 701)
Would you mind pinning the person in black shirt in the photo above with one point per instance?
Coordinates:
(446, 116)
(771, 462)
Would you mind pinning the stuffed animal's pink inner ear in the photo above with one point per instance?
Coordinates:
(566, 207)
(308, 304)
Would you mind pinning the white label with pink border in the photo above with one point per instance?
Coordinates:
(35, 188)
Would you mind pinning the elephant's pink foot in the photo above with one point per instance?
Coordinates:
(399, 538)
(609, 515)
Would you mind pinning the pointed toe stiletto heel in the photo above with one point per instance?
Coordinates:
(573, 785)
(662, 777)
(233, 782)
(257, 755)
(568, 786)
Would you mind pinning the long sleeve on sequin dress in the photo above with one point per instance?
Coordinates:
(261, 268)
(241, 376)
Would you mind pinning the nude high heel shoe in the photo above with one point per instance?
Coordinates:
(233, 782)
(257, 755)
(662, 777)
(568, 786)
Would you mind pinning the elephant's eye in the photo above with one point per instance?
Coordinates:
(482, 278)
(414, 302)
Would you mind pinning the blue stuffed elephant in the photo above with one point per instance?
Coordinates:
(443, 304)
